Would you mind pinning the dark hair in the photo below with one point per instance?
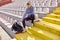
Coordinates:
(28, 3)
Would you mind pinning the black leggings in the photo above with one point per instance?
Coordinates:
(30, 17)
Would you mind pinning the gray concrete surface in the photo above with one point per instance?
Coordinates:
(4, 35)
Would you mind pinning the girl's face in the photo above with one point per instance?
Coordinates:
(28, 6)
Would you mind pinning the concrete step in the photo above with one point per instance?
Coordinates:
(7, 27)
(4, 35)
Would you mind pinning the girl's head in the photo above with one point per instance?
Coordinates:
(28, 5)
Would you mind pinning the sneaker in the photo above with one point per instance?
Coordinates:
(32, 25)
(25, 29)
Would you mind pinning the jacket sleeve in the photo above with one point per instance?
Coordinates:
(32, 10)
(24, 15)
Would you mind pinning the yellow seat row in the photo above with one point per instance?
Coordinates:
(52, 15)
(51, 20)
(47, 29)
(31, 34)
(57, 11)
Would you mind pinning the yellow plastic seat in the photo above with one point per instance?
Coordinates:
(58, 8)
(38, 33)
(53, 16)
(52, 20)
(26, 36)
(44, 34)
(56, 12)
(44, 26)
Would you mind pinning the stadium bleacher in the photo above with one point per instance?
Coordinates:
(38, 4)
(47, 29)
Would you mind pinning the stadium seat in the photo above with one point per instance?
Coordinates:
(47, 29)
(53, 16)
